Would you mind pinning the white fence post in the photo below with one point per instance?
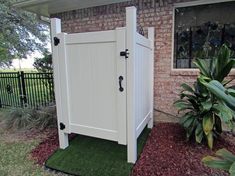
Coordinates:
(151, 37)
(121, 97)
(131, 121)
(55, 29)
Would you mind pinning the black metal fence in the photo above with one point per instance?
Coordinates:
(19, 89)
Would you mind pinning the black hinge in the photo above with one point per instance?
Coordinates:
(56, 41)
(62, 126)
(125, 53)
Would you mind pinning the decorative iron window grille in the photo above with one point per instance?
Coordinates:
(204, 39)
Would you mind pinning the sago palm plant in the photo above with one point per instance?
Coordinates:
(203, 111)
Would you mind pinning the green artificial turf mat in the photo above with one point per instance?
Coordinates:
(87, 156)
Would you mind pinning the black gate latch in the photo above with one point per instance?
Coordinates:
(56, 41)
(125, 53)
(62, 126)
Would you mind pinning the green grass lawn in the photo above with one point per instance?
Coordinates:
(28, 70)
(14, 160)
(14, 155)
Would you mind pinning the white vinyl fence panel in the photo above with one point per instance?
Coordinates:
(89, 82)
(143, 78)
(91, 70)
(99, 91)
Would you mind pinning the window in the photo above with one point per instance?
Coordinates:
(201, 30)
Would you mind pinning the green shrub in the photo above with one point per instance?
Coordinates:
(226, 95)
(204, 111)
(224, 160)
(25, 118)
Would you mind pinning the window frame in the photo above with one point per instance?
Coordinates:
(188, 4)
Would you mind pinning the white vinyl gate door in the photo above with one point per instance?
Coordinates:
(96, 75)
(104, 83)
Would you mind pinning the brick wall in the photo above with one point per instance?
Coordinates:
(151, 13)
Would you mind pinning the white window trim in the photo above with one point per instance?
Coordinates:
(187, 4)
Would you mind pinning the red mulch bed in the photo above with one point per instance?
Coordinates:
(46, 148)
(166, 153)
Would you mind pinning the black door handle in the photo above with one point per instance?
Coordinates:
(120, 84)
